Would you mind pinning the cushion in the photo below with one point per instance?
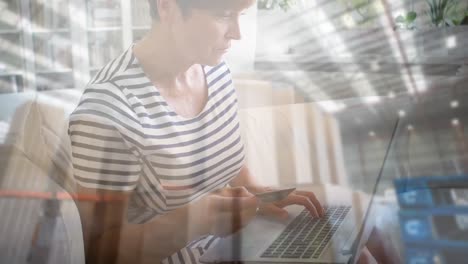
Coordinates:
(53, 130)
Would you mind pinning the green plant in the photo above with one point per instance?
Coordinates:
(406, 21)
(445, 12)
(285, 5)
(464, 19)
(362, 12)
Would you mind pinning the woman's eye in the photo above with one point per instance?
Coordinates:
(225, 15)
(229, 15)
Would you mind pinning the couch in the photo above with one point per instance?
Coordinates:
(287, 142)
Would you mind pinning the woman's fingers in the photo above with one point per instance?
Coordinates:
(304, 198)
(299, 200)
(314, 200)
(237, 207)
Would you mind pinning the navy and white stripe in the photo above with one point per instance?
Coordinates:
(126, 137)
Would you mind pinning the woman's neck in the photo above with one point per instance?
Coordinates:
(160, 60)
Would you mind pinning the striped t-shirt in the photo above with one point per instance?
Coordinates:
(125, 137)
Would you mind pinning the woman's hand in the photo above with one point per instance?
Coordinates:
(298, 197)
(230, 209)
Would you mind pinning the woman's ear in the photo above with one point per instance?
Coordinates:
(167, 10)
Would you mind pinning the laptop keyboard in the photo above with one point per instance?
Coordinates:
(307, 237)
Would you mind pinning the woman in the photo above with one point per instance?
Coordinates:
(156, 135)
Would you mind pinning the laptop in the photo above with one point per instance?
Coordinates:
(338, 237)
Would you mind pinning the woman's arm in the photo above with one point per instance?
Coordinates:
(110, 238)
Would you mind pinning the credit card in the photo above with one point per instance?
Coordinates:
(274, 195)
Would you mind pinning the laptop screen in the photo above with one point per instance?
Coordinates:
(369, 217)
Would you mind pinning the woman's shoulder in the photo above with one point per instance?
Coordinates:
(105, 102)
(107, 84)
(115, 68)
(104, 94)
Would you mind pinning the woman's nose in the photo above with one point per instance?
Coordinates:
(234, 30)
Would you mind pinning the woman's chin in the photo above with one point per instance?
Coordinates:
(214, 61)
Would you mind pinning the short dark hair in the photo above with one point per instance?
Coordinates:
(183, 4)
(186, 5)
